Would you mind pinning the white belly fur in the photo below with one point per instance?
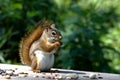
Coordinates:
(44, 60)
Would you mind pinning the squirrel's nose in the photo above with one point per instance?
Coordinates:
(60, 37)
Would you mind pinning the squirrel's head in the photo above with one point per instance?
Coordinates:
(53, 34)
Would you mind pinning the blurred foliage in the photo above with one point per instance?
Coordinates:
(90, 31)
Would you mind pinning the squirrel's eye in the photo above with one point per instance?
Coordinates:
(53, 33)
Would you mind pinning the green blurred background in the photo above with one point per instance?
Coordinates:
(90, 29)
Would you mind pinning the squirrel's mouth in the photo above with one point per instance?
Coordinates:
(53, 39)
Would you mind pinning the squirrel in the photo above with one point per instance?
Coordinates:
(37, 49)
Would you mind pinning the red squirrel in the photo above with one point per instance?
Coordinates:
(38, 48)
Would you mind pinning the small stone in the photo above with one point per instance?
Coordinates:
(43, 76)
(56, 74)
(72, 76)
(100, 77)
(68, 78)
(3, 74)
(22, 75)
(86, 76)
(10, 72)
(35, 76)
(18, 72)
(59, 77)
(2, 71)
(52, 77)
(48, 76)
(92, 76)
(7, 77)
(15, 75)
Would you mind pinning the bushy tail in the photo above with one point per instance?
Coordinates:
(27, 41)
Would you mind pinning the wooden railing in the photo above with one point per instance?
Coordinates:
(19, 72)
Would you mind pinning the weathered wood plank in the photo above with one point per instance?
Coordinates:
(19, 72)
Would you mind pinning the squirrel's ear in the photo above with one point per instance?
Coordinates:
(52, 26)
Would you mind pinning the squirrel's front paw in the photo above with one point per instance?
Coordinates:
(58, 43)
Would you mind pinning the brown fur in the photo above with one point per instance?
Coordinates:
(27, 42)
(49, 47)
(34, 65)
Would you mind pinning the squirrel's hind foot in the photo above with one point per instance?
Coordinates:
(36, 71)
